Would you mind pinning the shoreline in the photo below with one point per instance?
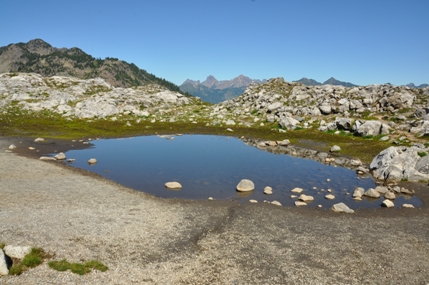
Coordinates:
(80, 216)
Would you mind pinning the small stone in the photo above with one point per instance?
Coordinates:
(16, 251)
(12, 146)
(314, 188)
(39, 140)
(388, 204)
(277, 203)
(358, 199)
(335, 148)
(268, 190)
(92, 161)
(328, 180)
(330, 197)
(245, 185)
(60, 156)
(293, 196)
(358, 193)
(408, 206)
(173, 185)
(390, 195)
(46, 158)
(372, 193)
(284, 143)
(381, 189)
(299, 203)
(297, 190)
(253, 201)
(385, 138)
(342, 208)
(31, 148)
(229, 130)
(210, 199)
(406, 191)
(306, 198)
(329, 190)
(71, 159)
(397, 189)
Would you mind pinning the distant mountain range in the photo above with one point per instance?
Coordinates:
(214, 91)
(40, 57)
(332, 81)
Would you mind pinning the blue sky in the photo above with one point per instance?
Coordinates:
(363, 42)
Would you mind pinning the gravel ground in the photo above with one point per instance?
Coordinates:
(78, 216)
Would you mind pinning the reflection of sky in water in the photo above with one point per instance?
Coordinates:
(212, 166)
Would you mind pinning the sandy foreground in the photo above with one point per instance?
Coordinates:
(146, 240)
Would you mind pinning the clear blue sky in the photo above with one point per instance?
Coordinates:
(363, 42)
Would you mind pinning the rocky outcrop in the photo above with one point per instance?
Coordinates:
(401, 163)
(92, 98)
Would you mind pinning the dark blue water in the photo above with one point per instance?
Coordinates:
(212, 166)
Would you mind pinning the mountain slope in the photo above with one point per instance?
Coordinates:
(308, 82)
(40, 57)
(334, 81)
(214, 91)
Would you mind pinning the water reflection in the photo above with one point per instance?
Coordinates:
(211, 166)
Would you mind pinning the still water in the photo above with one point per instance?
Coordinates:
(212, 166)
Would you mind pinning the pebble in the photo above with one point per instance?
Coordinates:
(408, 206)
(173, 185)
(388, 204)
(268, 190)
(277, 203)
(306, 198)
(299, 203)
(92, 161)
(297, 190)
(330, 197)
(253, 201)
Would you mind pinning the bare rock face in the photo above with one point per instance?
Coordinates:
(400, 163)
(17, 251)
(245, 185)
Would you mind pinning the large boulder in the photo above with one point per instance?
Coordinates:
(400, 163)
(370, 128)
(288, 123)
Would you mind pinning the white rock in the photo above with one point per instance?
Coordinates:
(372, 193)
(330, 197)
(12, 146)
(31, 148)
(284, 142)
(306, 198)
(60, 156)
(299, 203)
(39, 140)
(3, 264)
(173, 185)
(335, 148)
(408, 206)
(297, 190)
(390, 195)
(210, 199)
(229, 130)
(268, 190)
(388, 204)
(253, 201)
(293, 196)
(277, 203)
(381, 189)
(92, 161)
(245, 185)
(16, 251)
(46, 158)
(358, 193)
(342, 208)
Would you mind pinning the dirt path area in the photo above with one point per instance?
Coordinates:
(146, 240)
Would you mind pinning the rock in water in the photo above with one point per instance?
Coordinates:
(388, 204)
(306, 198)
(12, 146)
(277, 203)
(372, 193)
(268, 190)
(297, 190)
(173, 185)
(60, 156)
(245, 185)
(92, 161)
(342, 208)
(330, 197)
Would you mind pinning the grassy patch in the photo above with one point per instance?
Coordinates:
(77, 268)
(34, 258)
(2, 245)
(422, 153)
